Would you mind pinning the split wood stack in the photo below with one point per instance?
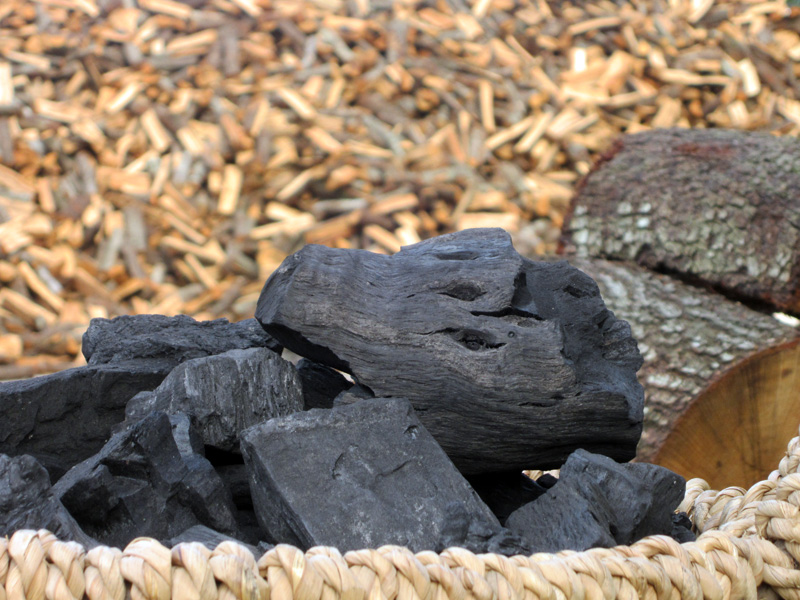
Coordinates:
(162, 156)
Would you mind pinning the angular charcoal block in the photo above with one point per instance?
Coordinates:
(27, 502)
(205, 494)
(226, 393)
(321, 384)
(171, 339)
(140, 485)
(351, 395)
(185, 435)
(682, 528)
(565, 518)
(209, 538)
(358, 476)
(642, 496)
(64, 418)
(460, 530)
(510, 363)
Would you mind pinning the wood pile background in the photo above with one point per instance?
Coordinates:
(163, 156)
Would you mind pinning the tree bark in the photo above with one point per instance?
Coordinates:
(717, 355)
(715, 206)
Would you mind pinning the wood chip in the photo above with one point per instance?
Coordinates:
(178, 162)
(231, 188)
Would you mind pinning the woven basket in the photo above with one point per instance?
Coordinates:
(748, 547)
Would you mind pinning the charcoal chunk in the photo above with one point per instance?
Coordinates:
(27, 502)
(226, 393)
(357, 476)
(508, 362)
(209, 538)
(567, 517)
(64, 418)
(140, 485)
(598, 502)
(171, 339)
(321, 384)
(682, 528)
(642, 496)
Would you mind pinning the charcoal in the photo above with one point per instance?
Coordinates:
(505, 492)
(209, 538)
(353, 394)
(598, 502)
(546, 480)
(356, 476)
(682, 528)
(64, 418)
(27, 501)
(567, 517)
(185, 435)
(235, 478)
(140, 485)
(226, 393)
(508, 362)
(642, 496)
(171, 339)
(321, 384)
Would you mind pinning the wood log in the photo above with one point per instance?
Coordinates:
(715, 206)
(510, 363)
(722, 381)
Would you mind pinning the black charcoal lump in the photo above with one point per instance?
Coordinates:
(64, 418)
(321, 384)
(600, 503)
(27, 501)
(508, 362)
(225, 394)
(170, 339)
(357, 476)
(140, 485)
(642, 495)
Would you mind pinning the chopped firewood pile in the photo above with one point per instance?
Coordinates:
(164, 157)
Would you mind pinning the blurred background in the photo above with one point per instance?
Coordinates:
(164, 157)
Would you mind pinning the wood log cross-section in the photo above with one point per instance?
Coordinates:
(722, 381)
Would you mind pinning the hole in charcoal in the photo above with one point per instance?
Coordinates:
(474, 341)
(576, 292)
(463, 290)
(511, 334)
(458, 255)
(411, 432)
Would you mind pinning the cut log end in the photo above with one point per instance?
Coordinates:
(734, 432)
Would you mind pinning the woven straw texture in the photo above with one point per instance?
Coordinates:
(748, 547)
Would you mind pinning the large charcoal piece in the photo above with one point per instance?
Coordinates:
(599, 503)
(27, 501)
(226, 393)
(64, 418)
(171, 339)
(357, 476)
(510, 363)
(140, 485)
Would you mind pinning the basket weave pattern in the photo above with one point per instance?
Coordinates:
(748, 538)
